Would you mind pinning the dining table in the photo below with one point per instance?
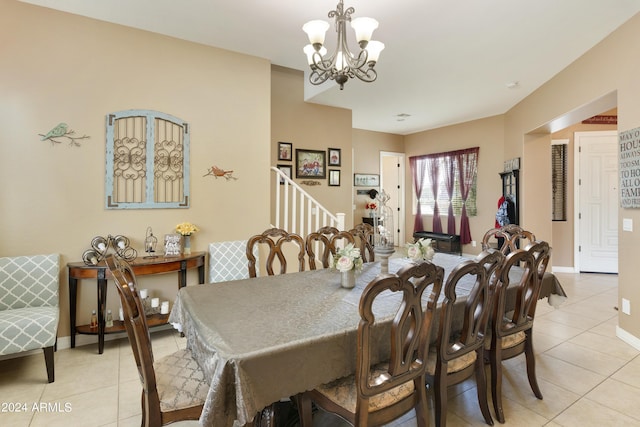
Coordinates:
(264, 339)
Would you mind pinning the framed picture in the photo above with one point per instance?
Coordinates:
(334, 177)
(366, 180)
(311, 164)
(285, 151)
(287, 171)
(335, 156)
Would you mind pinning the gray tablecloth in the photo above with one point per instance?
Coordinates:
(263, 339)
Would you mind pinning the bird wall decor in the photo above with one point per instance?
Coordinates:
(216, 172)
(62, 131)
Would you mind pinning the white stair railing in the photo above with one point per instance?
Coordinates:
(297, 212)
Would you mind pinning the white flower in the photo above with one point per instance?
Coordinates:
(421, 250)
(344, 264)
(347, 259)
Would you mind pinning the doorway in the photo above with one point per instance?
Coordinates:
(392, 182)
(596, 222)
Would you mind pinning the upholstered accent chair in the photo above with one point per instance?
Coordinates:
(174, 388)
(381, 391)
(228, 261)
(278, 243)
(459, 355)
(511, 332)
(29, 310)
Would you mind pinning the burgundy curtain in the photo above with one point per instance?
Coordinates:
(448, 162)
(433, 168)
(418, 169)
(467, 167)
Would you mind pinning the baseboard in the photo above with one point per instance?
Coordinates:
(557, 269)
(625, 336)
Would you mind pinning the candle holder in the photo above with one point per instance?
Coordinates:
(150, 243)
(100, 247)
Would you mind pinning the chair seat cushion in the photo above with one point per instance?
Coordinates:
(344, 393)
(180, 381)
(455, 365)
(28, 328)
(508, 341)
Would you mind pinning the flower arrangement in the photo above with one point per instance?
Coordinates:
(421, 250)
(347, 259)
(371, 206)
(186, 228)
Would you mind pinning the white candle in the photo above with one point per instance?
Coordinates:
(165, 307)
(121, 244)
(144, 293)
(94, 260)
(121, 314)
(155, 302)
(101, 246)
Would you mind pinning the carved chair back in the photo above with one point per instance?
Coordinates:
(276, 240)
(321, 245)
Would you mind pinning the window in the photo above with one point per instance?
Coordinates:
(559, 180)
(427, 200)
(147, 160)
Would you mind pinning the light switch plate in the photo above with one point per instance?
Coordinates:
(627, 224)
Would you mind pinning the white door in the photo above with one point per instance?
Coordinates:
(598, 201)
(392, 182)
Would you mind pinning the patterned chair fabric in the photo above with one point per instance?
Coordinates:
(228, 261)
(29, 310)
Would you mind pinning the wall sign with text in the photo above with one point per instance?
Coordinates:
(629, 168)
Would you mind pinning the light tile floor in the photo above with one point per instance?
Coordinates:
(588, 376)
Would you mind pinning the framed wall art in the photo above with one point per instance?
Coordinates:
(334, 177)
(311, 164)
(335, 156)
(366, 180)
(285, 151)
(287, 171)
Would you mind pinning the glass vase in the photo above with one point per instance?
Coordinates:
(187, 246)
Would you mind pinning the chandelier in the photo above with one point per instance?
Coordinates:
(343, 64)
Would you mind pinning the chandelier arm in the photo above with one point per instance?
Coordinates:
(369, 75)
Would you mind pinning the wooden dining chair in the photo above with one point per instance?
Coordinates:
(459, 350)
(511, 333)
(276, 240)
(174, 387)
(363, 238)
(380, 392)
(508, 238)
(321, 245)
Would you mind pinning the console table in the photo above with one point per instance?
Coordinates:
(141, 267)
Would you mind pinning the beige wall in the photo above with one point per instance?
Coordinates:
(488, 134)
(581, 84)
(60, 67)
(313, 127)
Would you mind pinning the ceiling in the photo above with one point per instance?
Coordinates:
(445, 61)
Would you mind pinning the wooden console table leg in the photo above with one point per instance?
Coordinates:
(73, 295)
(102, 301)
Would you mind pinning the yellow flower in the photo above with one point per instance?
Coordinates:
(186, 228)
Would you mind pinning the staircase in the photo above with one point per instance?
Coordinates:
(297, 212)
